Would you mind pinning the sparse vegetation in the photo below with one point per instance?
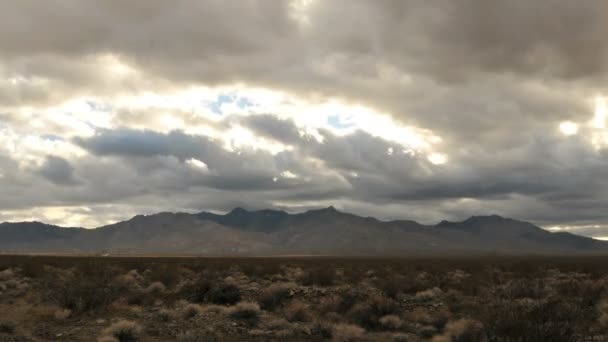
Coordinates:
(7, 327)
(245, 311)
(457, 299)
(124, 331)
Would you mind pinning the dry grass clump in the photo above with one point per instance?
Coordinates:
(437, 318)
(298, 311)
(391, 322)
(62, 314)
(368, 313)
(429, 294)
(155, 288)
(462, 330)
(245, 311)
(124, 331)
(347, 332)
(340, 303)
(7, 274)
(192, 310)
(131, 280)
(274, 295)
(602, 309)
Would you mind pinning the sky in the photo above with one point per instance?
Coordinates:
(425, 110)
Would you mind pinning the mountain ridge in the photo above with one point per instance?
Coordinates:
(326, 231)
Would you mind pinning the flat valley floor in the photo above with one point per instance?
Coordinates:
(489, 298)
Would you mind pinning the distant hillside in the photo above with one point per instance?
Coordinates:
(271, 232)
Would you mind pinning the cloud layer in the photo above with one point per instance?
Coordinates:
(398, 109)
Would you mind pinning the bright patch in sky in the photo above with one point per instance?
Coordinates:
(197, 164)
(437, 158)
(599, 120)
(568, 128)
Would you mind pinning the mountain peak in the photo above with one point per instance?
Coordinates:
(238, 211)
(485, 218)
(328, 210)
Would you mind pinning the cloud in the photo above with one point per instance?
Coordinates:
(58, 171)
(188, 105)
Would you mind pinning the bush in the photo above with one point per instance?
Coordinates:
(462, 330)
(155, 287)
(347, 332)
(368, 314)
(196, 292)
(7, 327)
(80, 293)
(224, 294)
(391, 322)
(7, 274)
(197, 335)
(165, 315)
(298, 312)
(322, 329)
(318, 276)
(192, 310)
(124, 331)
(61, 315)
(275, 295)
(245, 311)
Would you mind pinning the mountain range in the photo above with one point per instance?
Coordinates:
(273, 232)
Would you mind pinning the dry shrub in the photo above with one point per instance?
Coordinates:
(197, 291)
(130, 280)
(322, 329)
(80, 292)
(298, 311)
(62, 314)
(391, 322)
(393, 285)
(347, 332)
(261, 270)
(12, 283)
(523, 288)
(155, 288)
(436, 318)
(320, 276)
(602, 309)
(7, 274)
(124, 331)
(532, 320)
(7, 327)
(193, 310)
(339, 303)
(224, 294)
(245, 311)
(429, 294)
(419, 315)
(274, 295)
(107, 339)
(368, 314)
(462, 330)
(166, 273)
(198, 335)
(165, 315)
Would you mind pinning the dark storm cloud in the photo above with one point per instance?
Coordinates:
(58, 171)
